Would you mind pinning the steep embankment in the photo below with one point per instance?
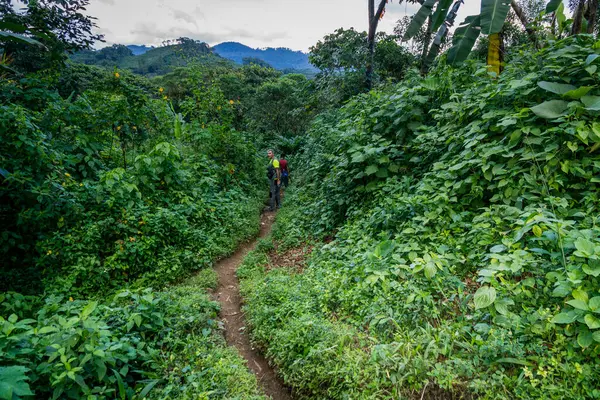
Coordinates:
(464, 259)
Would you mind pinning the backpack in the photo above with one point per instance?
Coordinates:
(271, 170)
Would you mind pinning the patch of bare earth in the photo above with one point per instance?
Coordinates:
(292, 258)
(228, 295)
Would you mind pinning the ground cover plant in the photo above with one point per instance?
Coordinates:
(113, 195)
(464, 219)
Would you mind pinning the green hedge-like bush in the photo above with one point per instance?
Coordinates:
(464, 212)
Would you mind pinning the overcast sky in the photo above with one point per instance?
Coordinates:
(297, 24)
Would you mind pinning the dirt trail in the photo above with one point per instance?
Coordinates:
(228, 295)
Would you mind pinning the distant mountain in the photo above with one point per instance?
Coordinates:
(138, 50)
(280, 58)
(153, 61)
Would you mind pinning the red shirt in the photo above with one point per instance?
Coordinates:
(283, 164)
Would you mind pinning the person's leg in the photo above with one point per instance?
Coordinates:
(277, 194)
(285, 181)
(272, 193)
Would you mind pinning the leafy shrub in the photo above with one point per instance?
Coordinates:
(124, 348)
(464, 214)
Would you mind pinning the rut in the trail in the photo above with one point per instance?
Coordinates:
(236, 334)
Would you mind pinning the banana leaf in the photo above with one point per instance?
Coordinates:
(552, 6)
(493, 15)
(419, 19)
(464, 39)
(440, 14)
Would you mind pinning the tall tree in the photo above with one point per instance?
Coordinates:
(578, 17)
(592, 15)
(374, 17)
(61, 25)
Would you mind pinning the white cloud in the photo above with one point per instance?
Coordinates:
(184, 16)
(297, 24)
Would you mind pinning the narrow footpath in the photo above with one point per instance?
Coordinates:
(236, 332)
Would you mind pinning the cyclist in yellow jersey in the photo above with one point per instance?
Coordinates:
(274, 175)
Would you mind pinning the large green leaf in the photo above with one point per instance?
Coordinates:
(13, 383)
(591, 102)
(493, 14)
(464, 39)
(484, 297)
(419, 19)
(11, 26)
(579, 304)
(578, 93)
(555, 87)
(552, 6)
(16, 37)
(592, 322)
(565, 317)
(561, 18)
(585, 339)
(551, 109)
(594, 304)
(438, 17)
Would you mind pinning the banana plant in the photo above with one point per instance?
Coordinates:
(13, 33)
(489, 21)
(442, 32)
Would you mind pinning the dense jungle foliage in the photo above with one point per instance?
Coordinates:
(455, 232)
(106, 186)
(442, 227)
(118, 192)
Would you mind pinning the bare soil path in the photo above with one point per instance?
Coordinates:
(236, 334)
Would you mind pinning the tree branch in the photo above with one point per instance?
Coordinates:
(377, 16)
(521, 15)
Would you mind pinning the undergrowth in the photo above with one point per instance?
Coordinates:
(464, 217)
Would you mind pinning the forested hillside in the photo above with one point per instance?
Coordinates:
(154, 61)
(437, 241)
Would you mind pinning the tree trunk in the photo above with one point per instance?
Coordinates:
(521, 15)
(592, 12)
(425, 51)
(374, 17)
(578, 18)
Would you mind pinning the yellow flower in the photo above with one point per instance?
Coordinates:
(49, 252)
(135, 128)
(132, 239)
(161, 90)
(67, 175)
(119, 127)
(165, 98)
(81, 184)
(219, 108)
(203, 126)
(231, 102)
(117, 75)
(70, 299)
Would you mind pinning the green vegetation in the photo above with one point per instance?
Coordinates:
(439, 238)
(154, 62)
(118, 194)
(464, 258)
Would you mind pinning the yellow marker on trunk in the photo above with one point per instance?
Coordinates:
(493, 57)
